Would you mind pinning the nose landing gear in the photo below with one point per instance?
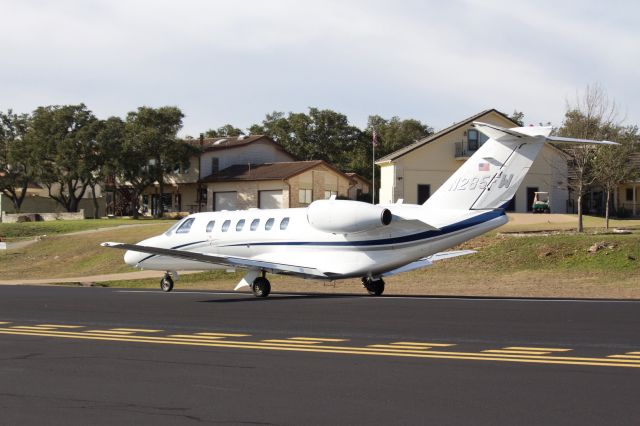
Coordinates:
(375, 287)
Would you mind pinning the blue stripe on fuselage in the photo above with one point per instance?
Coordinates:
(467, 223)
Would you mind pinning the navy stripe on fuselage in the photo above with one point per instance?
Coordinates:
(467, 223)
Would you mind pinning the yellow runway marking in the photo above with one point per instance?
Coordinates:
(110, 332)
(298, 347)
(318, 339)
(137, 330)
(631, 358)
(423, 344)
(25, 327)
(504, 351)
(224, 334)
(633, 353)
(4, 322)
(394, 346)
(528, 348)
(192, 336)
(59, 326)
(303, 342)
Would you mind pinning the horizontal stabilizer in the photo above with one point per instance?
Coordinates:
(428, 261)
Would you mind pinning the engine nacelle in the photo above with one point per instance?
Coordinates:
(345, 216)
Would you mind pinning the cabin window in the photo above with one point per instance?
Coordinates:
(210, 225)
(284, 223)
(254, 224)
(240, 225)
(185, 226)
(225, 225)
(170, 230)
(269, 224)
(305, 196)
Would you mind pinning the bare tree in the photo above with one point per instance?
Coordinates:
(592, 116)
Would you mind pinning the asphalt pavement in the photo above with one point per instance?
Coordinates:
(115, 356)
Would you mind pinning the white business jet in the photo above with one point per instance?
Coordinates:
(337, 239)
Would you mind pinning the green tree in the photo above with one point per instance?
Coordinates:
(592, 116)
(152, 149)
(518, 117)
(66, 148)
(226, 130)
(16, 157)
(611, 165)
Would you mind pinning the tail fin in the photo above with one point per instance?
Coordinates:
(490, 178)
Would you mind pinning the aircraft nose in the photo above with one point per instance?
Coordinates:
(132, 258)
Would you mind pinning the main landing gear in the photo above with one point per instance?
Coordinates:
(261, 287)
(166, 283)
(375, 287)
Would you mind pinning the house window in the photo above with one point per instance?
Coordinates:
(284, 223)
(424, 192)
(210, 225)
(305, 196)
(215, 165)
(254, 224)
(328, 194)
(225, 225)
(240, 225)
(269, 224)
(629, 193)
(185, 227)
(472, 139)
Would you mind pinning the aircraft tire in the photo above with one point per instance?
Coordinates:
(375, 287)
(261, 287)
(166, 283)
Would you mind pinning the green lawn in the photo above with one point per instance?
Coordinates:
(12, 231)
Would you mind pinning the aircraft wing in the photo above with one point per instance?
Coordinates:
(231, 261)
(428, 261)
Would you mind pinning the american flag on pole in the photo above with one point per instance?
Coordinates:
(483, 167)
(374, 138)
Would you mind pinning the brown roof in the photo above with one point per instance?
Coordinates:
(417, 144)
(267, 171)
(357, 176)
(215, 144)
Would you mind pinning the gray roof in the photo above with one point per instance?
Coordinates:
(419, 143)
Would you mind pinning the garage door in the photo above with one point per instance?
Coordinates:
(225, 200)
(270, 199)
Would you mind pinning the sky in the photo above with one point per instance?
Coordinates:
(232, 61)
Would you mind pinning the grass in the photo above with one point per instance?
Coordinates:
(13, 231)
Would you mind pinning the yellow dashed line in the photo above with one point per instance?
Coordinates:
(224, 334)
(423, 344)
(192, 336)
(137, 330)
(394, 346)
(529, 348)
(110, 332)
(626, 357)
(60, 326)
(4, 322)
(298, 342)
(504, 351)
(25, 327)
(318, 339)
(601, 362)
(633, 353)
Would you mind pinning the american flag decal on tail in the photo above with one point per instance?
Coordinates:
(483, 167)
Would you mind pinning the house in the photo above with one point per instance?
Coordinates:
(626, 200)
(246, 172)
(274, 185)
(416, 171)
(361, 189)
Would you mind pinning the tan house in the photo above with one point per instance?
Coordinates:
(415, 172)
(246, 172)
(274, 185)
(361, 187)
(626, 199)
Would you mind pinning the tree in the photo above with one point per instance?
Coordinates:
(612, 165)
(593, 116)
(16, 157)
(151, 149)
(65, 140)
(319, 135)
(226, 130)
(518, 117)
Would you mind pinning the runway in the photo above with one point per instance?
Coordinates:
(100, 356)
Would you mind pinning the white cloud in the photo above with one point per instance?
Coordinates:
(226, 61)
